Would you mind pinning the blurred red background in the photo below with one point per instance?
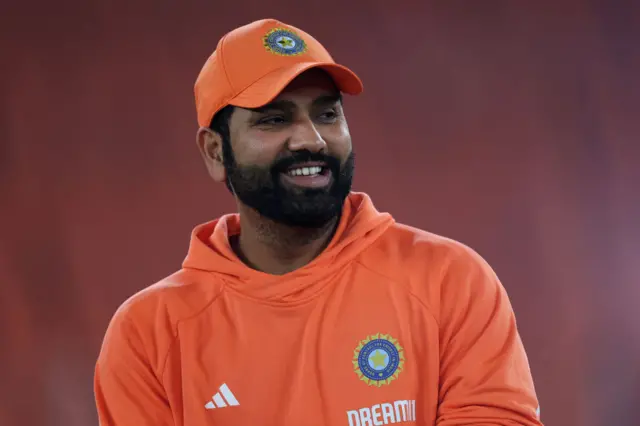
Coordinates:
(509, 126)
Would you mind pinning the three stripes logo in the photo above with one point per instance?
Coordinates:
(221, 399)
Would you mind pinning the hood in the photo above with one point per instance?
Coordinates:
(209, 250)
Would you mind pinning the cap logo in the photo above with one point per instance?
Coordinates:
(281, 41)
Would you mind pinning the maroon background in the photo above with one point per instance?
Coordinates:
(511, 126)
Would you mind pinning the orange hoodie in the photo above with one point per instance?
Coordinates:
(389, 325)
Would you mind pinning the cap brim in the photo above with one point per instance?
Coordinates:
(269, 87)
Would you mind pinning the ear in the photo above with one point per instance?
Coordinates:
(210, 146)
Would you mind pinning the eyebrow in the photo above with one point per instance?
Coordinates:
(288, 105)
(328, 99)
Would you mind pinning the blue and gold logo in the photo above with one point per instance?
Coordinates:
(378, 360)
(282, 41)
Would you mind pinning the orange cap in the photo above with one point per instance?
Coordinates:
(254, 63)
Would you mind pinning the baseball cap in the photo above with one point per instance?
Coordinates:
(252, 64)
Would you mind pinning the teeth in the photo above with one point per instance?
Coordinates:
(305, 171)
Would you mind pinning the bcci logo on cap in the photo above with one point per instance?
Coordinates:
(284, 42)
(378, 360)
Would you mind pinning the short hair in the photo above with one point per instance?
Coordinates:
(220, 121)
(220, 124)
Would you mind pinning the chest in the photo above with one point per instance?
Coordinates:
(355, 356)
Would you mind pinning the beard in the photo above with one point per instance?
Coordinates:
(262, 189)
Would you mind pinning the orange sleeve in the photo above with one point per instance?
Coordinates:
(485, 375)
(127, 388)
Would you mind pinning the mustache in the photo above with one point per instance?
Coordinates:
(283, 164)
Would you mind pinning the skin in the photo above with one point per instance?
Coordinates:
(304, 116)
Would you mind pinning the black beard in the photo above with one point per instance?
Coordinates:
(261, 188)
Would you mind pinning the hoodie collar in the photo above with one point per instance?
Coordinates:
(209, 250)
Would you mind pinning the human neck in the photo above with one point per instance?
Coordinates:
(275, 248)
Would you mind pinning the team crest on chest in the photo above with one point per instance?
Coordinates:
(282, 41)
(378, 360)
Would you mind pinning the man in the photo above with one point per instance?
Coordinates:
(308, 307)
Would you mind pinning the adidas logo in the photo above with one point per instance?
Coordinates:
(222, 399)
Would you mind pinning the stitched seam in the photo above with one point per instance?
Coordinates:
(224, 64)
(424, 304)
(175, 335)
(135, 328)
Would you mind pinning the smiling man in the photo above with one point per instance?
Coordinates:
(307, 306)
(289, 164)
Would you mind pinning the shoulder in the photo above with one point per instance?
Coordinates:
(176, 296)
(148, 320)
(423, 251)
(429, 265)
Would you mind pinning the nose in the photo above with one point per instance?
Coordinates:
(305, 136)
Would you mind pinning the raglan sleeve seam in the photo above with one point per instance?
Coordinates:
(423, 303)
(175, 331)
(134, 328)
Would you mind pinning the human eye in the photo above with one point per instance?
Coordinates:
(329, 116)
(271, 120)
